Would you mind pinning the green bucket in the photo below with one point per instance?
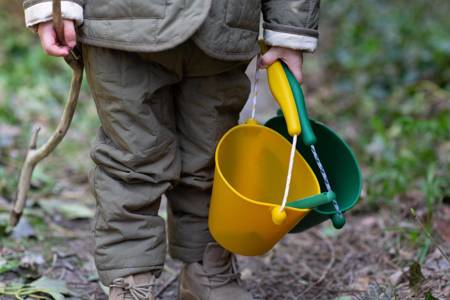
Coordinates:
(338, 160)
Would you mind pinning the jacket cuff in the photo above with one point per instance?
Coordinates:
(290, 40)
(43, 12)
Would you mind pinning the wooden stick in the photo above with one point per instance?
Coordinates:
(58, 21)
(34, 154)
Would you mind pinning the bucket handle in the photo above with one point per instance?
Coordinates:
(308, 136)
(310, 139)
(282, 92)
(313, 201)
(295, 113)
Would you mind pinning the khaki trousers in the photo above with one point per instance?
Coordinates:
(162, 115)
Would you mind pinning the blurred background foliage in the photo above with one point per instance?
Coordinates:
(385, 71)
(381, 77)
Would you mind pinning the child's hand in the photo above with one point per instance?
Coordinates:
(50, 43)
(292, 58)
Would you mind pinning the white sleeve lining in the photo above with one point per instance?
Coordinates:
(289, 40)
(42, 12)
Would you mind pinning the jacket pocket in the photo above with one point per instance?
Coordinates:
(243, 14)
(125, 9)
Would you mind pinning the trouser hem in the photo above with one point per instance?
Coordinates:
(187, 255)
(107, 276)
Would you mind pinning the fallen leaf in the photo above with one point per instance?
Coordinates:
(397, 277)
(4, 224)
(8, 265)
(429, 296)
(70, 211)
(361, 283)
(435, 262)
(23, 230)
(53, 287)
(415, 275)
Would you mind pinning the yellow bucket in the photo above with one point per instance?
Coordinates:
(250, 177)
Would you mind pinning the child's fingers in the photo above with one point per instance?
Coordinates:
(294, 64)
(297, 74)
(70, 36)
(292, 58)
(50, 46)
(268, 58)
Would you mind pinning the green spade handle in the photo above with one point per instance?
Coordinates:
(313, 201)
(308, 136)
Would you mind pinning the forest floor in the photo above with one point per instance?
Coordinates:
(362, 261)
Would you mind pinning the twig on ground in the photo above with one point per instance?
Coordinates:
(53, 265)
(308, 269)
(63, 273)
(328, 267)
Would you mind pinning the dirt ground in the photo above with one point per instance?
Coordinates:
(365, 260)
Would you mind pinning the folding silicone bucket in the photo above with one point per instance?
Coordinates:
(251, 166)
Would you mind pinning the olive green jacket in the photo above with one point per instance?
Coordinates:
(224, 29)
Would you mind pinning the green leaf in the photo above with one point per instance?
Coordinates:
(429, 296)
(57, 289)
(4, 224)
(415, 275)
(8, 265)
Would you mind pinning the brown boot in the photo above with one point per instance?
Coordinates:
(133, 287)
(217, 278)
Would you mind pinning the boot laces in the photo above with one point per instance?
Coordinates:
(135, 291)
(224, 275)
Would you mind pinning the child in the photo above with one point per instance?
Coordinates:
(168, 81)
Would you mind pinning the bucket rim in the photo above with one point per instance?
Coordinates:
(269, 205)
